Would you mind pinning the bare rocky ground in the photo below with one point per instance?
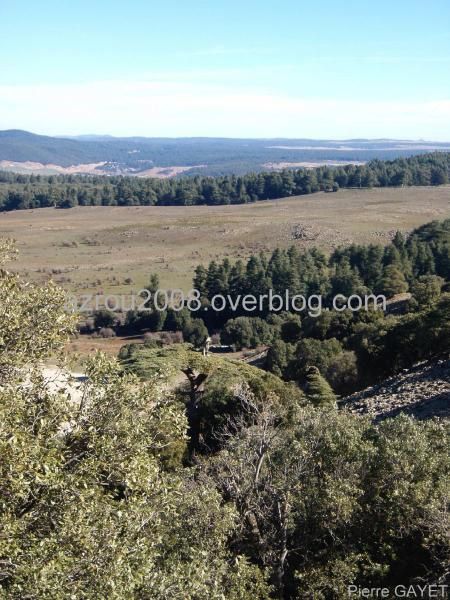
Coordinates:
(59, 380)
(422, 391)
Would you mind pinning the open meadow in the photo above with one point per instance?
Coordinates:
(115, 249)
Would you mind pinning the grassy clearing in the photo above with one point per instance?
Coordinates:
(114, 249)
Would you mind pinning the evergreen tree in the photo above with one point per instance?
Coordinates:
(346, 280)
(195, 332)
(393, 282)
(199, 281)
(318, 390)
(427, 289)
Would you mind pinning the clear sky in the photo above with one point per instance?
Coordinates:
(235, 68)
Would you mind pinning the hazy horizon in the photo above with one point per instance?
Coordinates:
(238, 70)
(84, 135)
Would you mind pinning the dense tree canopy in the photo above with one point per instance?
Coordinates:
(351, 349)
(94, 501)
(103, 495)
(66, 191)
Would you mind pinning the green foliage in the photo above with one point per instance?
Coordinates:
(88, 508)
(393, 281)
(103, 318)
(427, 289)
(219, 398)
(195, 332)
(337, 365)
(360, 347)
(176, 320)
(346, 280)
(328, 324)
(247, 332)
(66, 191)
(371, 344)
(318, 390)
(154, 320)
(388, 345)
(279, 357)
(330, 500)
(34, 322)
(291, 329)
(94, 500)
(289, 500)
(342, 373)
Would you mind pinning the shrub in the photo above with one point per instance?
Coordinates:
(104, 318)
(247, 332)
(106, 332)
(427, 289)
(195, 332)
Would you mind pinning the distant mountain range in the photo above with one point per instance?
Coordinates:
(22, 151)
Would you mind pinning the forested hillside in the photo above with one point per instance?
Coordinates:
(350, 348)
(66, 191)
(208, 156)
(235, 486)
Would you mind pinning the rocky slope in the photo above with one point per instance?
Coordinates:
(422, 391)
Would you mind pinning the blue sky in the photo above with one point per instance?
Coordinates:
(324, 69)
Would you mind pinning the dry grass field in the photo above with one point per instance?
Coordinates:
(86, 344)
(114, 249)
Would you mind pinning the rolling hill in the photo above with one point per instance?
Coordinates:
(22, 151)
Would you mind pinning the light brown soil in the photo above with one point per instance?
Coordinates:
(98, 248)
